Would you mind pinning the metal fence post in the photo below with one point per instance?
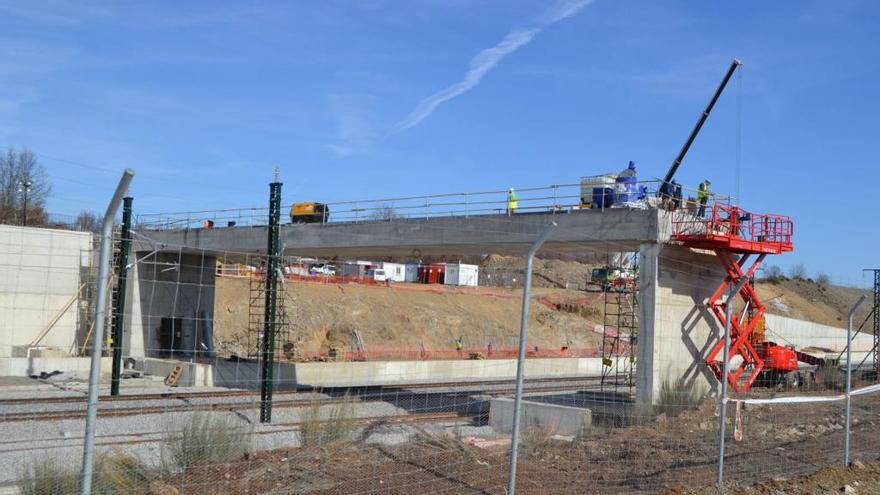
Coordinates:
(85, 481)
(267, 374)
(849, 336)
(118, 330)
(725, 366)
(521, 357)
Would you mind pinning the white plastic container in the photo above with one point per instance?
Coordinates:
(592, 182)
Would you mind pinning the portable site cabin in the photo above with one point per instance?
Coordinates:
(411, 272)
(356, 268)
(432, 274)
(396, 272)
(462, 275)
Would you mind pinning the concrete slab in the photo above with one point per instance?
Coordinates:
(556, 419)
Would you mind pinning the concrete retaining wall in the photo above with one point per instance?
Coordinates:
(241, 374)
(39, 273)
(800, 333)
(402, 372)
(79, 367)
(558, 420)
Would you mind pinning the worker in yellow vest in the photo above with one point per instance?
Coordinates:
(703, 196)
(512, 204)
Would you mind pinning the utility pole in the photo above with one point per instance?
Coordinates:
(26, 187)
(273, 256)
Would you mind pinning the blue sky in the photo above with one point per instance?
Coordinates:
(381, 98)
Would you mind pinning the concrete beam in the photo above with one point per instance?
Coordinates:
(579, 231)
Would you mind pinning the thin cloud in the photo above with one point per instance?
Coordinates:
(487, 59)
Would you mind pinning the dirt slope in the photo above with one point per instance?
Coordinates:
(407, 316)
(808, 300)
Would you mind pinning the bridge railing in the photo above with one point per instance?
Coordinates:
(556, 198)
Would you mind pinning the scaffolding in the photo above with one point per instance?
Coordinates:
(620, 322)
(875, 311)
(284, 345)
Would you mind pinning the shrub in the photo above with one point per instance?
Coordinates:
(338, 425)
(830, 376)
(536, 437)
(49, 476)
(118, 473)
(443, 441)
(205, 437)
(823, 278)
(773, 274)
(113, 473)
(798, 271)
(679, 396)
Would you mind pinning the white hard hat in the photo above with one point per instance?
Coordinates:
(511, 189)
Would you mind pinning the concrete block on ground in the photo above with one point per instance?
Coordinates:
(558, 420)
(193, 374)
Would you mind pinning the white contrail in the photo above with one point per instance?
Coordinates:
(487, 59)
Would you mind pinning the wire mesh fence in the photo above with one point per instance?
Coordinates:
(399, 387)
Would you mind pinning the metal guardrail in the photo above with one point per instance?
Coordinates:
(557, 198)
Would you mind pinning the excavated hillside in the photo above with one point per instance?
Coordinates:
(412, 316)
(808, 300)
(796, 298)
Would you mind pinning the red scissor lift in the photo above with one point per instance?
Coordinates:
(741, 240)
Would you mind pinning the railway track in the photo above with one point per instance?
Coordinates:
(284, 400)
(247, 393)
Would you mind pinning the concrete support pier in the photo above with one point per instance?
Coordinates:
(676, 329)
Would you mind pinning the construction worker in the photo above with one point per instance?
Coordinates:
(676, 195)
(666, 191)
(703, 196)
(512, 204)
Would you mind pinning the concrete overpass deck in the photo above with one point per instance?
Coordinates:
(613, 230)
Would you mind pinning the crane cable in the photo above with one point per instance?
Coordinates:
(738, 164)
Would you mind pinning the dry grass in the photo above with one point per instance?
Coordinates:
(443, 441)
(338, 425)
(49, 476)
(536, 437)
(205, 437)
(114, 473)
(679, 396)
(830, 376)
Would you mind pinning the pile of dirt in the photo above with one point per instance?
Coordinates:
(411, 316)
